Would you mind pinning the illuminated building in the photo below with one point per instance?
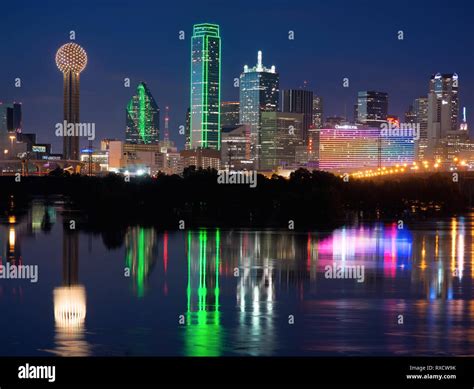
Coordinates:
(280, 135)
(230, 111)
(143, 118)
(205, 87)
(187, 131)
(420, 107)
(410, 115)
(10, 129)
(235, 151)
(332, 121)
(139, 159)
(313, 147)
(464, 126)
(299, 101)
(372, 108)
(443, 110)
(349, 148)
(99, 159)
(259, 92)
(71, 60)
(104, 144)
(201, 158)
(317, 112)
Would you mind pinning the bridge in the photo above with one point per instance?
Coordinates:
(37, 166)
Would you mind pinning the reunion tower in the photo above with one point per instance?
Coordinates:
(71, 60)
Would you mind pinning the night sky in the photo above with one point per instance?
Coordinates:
(139, 39)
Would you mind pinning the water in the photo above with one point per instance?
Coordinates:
(238, 293)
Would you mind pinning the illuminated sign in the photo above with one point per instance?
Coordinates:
(38, 149)
(346, 127)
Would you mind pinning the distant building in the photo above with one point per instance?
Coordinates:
(332, 121)
(99, 161)
(135, 158)
(318, 119)
(201, 158)
(230, 111)
(259, 93)
(420, 107)
(372, 108)
(187, 131)
(443, 110)
(235, 151)
(104, 144)
(280, 137)
(10, 128)
(143, 118)
(205, 87)
(410, 115)
(299, 101)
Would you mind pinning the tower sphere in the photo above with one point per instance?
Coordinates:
(71, 57)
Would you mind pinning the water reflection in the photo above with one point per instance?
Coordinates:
(70, 303)
(236, 289)
(140, 257)
(203, 333)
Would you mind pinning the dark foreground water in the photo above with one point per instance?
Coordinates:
(243, 292)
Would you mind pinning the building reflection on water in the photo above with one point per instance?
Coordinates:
(70, 302)
(140, 256)
(203, 332)
(237, 288)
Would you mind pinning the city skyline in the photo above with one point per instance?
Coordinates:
(323, 70)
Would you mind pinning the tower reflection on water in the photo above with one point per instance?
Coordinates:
(203, 331)
(237, 288)
(140, 256)
(70, 302)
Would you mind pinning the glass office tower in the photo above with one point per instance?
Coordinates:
(205, 87)
(143, 118)
(259, 92)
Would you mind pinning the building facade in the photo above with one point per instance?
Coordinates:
(230, 111)
(259, 93)
(281, 137)
(142, 118)
(299, 101)
(372, 108)
(205, 87)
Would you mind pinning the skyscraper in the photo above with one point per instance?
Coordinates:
(230, 113)
(372, 108)
(71, 60)
(259, 92)
(142, 118)
(318, 112)
(280, 138)
(14, 118)
(420, 107)
(205, 87)
(443, 110)
(299, 101)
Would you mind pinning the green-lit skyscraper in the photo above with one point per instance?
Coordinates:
(205, 87)
(143, 118)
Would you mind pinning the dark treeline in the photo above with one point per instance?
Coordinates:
(310, 199)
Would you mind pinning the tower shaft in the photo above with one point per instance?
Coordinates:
(71, 114)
